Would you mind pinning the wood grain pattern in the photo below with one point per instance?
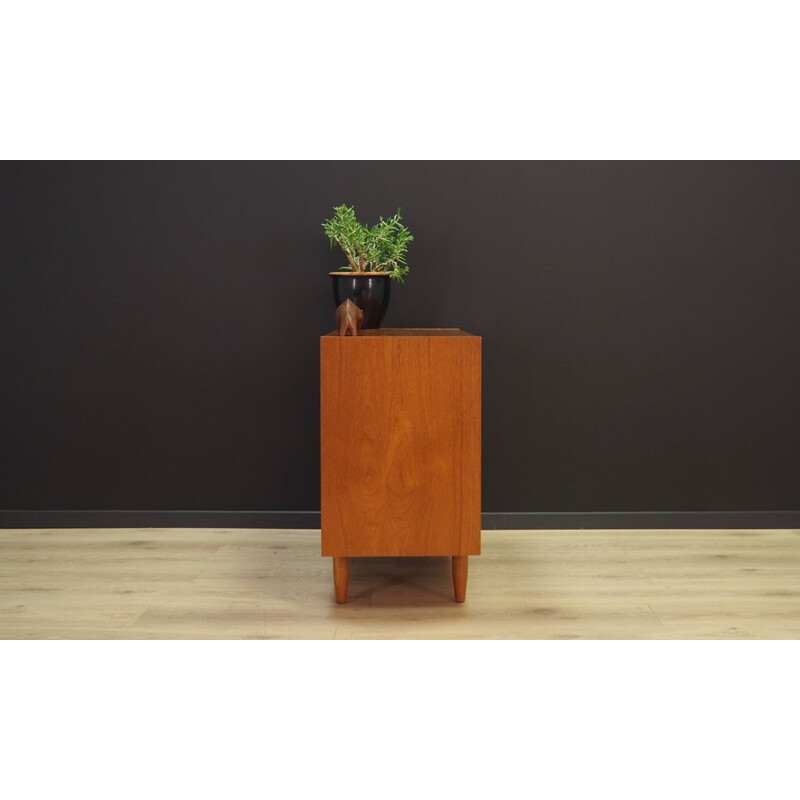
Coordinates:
(184, 583)
(400, 444)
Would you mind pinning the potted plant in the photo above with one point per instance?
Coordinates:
(374, 256)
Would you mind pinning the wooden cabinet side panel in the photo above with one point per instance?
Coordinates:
(400, 446)
(331, 439)
(470, 450)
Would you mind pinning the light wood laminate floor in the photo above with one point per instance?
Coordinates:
(273, 584)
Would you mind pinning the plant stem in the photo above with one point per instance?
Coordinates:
(350, 258)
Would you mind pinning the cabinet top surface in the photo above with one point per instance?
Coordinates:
(410, 332)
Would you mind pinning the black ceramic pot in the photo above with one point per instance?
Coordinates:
(368, 290)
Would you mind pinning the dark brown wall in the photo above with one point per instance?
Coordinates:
(159, 328)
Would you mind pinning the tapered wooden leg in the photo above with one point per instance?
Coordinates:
(341, 574)
(460, 566)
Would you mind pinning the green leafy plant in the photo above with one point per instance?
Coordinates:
(381, 248)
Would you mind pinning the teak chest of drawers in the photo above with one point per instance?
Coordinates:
(401, 447)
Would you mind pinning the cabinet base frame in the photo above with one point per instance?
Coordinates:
(341, 577)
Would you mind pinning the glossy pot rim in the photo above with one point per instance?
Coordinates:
(360, 274)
